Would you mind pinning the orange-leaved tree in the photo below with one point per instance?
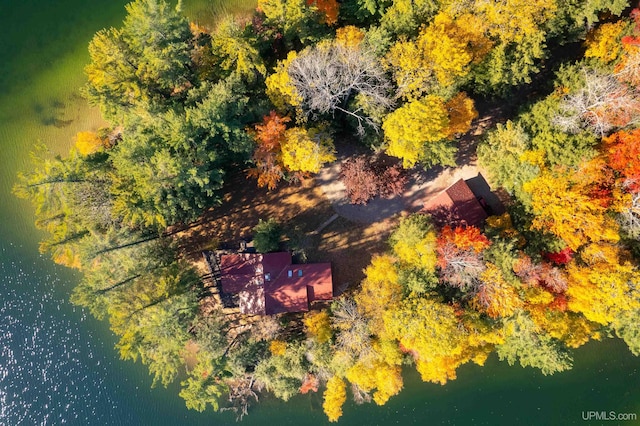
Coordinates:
(328, 8)
(623, 153)
(267, 157)
(459, 256)
(464, 238)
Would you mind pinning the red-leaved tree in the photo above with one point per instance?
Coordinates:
(542, 274)
(365, 178)
(359, 179)
(393, 180)
(561, 257)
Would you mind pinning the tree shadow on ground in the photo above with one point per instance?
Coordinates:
(300, 209)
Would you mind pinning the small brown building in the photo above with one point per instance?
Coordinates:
(269, 283)
(456, 206)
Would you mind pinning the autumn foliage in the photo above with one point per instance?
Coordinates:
(459, 256)
(281, 152)
(309, 384)
(267, 156)
(318, 326)
(329, 9)
(623, 153)
(464, 238)
(88, 143)
(559, 269)
(334, 397)
(365, 178)
(559, 257)
(419, 131)
(604, 42)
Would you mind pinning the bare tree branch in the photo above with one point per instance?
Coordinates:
(629, 218)
(603, 104)
(328, 77)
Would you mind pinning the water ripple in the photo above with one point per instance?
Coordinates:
(50, 373)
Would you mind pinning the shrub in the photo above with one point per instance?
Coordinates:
(366, 178)
(267, 236)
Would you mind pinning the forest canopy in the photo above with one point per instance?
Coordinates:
(274, 95)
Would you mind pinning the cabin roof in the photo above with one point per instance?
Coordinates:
(456, 205)
(270, 284)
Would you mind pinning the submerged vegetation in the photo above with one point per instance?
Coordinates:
(273, 95)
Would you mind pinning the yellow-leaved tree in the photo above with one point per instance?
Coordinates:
(414, 243)
(604, 286)
(428, 329)
(278, 347)
(380, 289)
(307, 150)
(512, 21)
(349, 36)
(495, 295)
(380, 376)
(604, 41)
(415, 132)
(562, 208)
(88, 143)
(569, 327)
(318, 326)
(462, 112)
(280, 90)
(442, 54)
(378, 367)
(334, 398)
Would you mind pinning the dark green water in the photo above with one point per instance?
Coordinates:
(58, 366)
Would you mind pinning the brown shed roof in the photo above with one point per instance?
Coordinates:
(456, 205)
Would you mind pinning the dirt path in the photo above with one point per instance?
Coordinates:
(423, 184)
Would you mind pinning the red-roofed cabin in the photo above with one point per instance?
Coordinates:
(456, 205)
(269, 283)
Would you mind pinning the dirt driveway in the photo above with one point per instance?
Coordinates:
(423, 184)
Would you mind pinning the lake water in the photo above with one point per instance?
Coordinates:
(58, 365)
